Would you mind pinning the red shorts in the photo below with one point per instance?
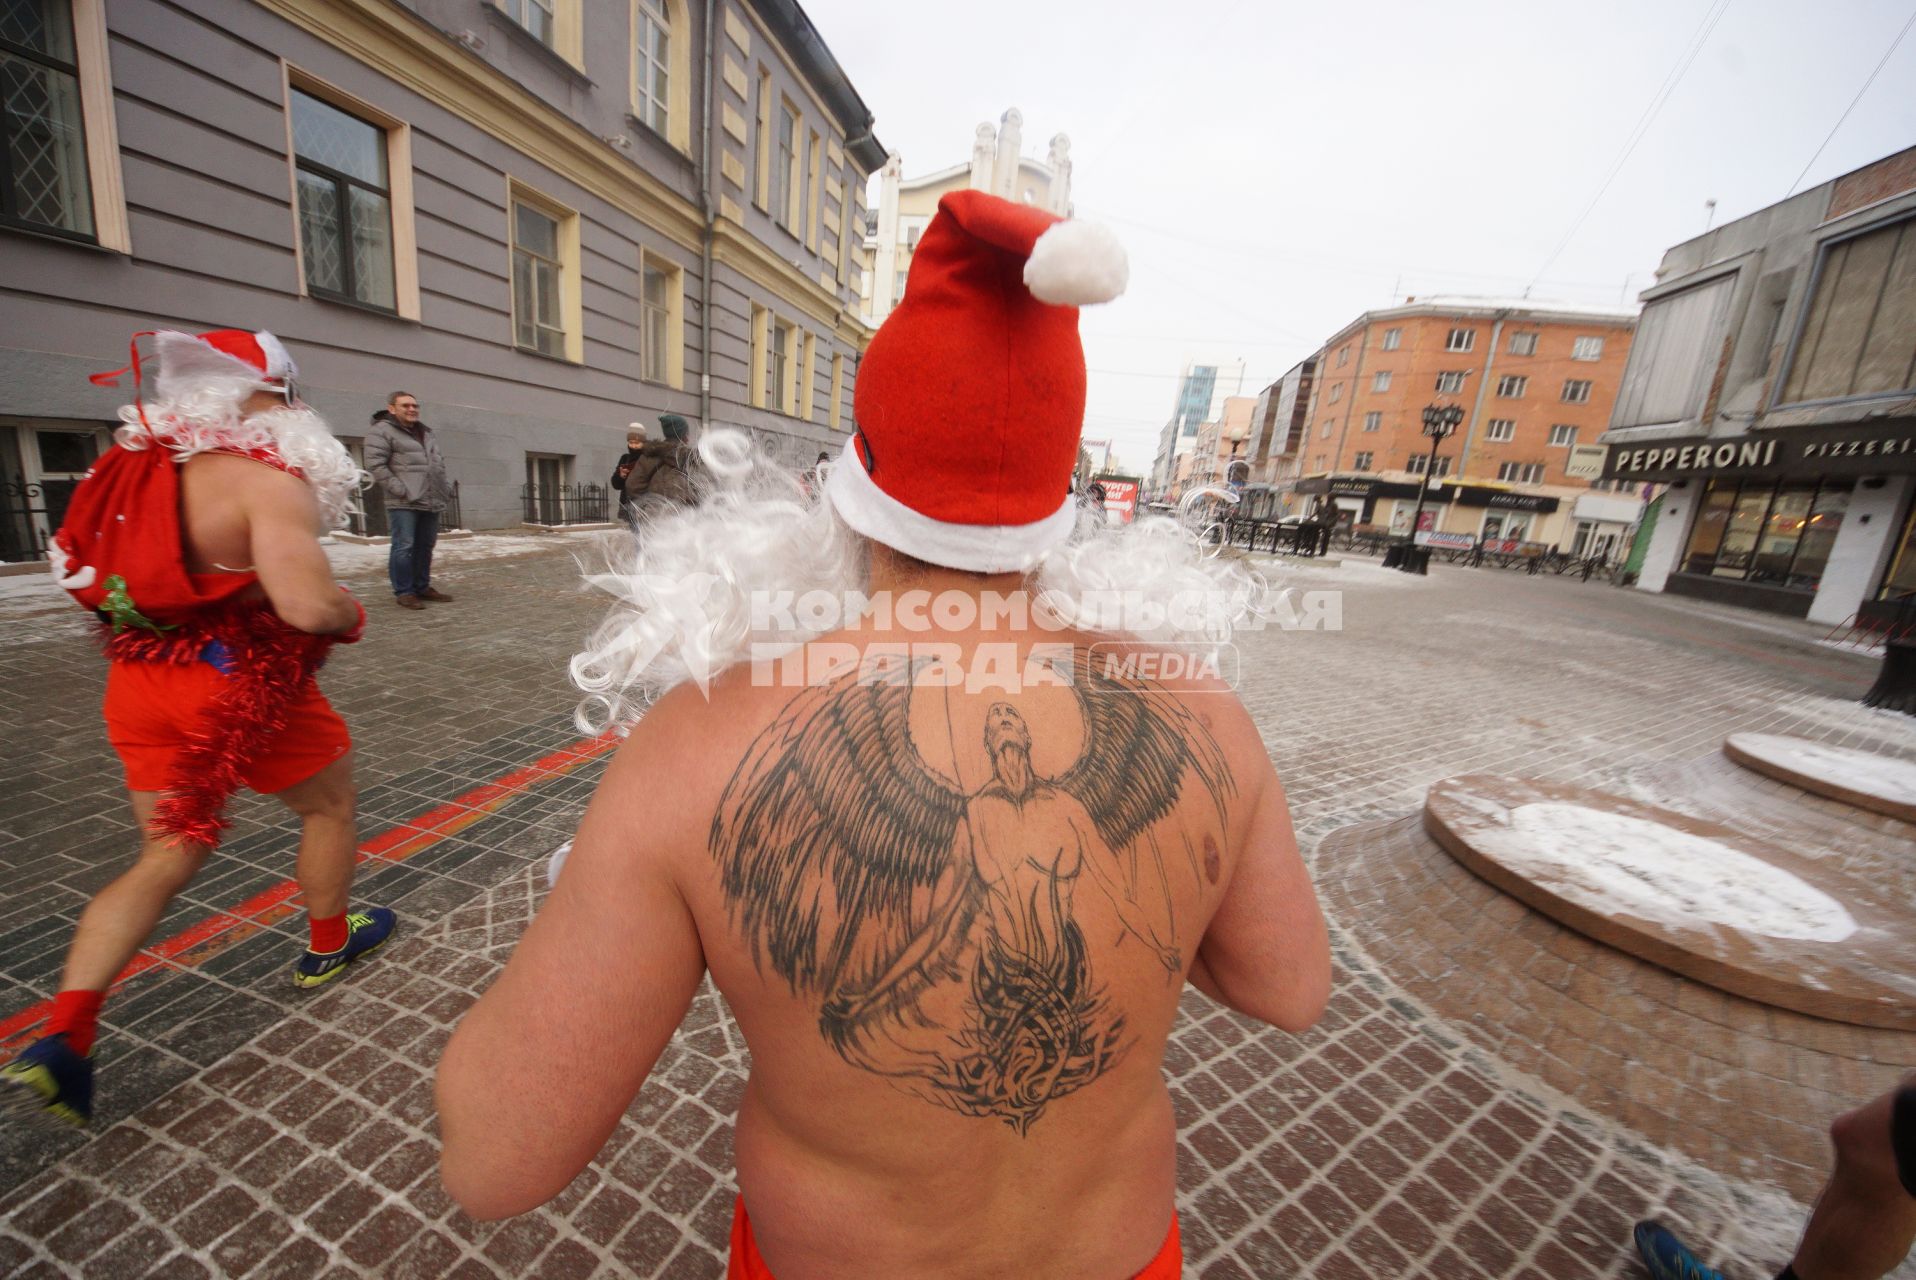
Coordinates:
(746, 1264)
(153, 708)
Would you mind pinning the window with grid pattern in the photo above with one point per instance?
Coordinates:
(44, 184)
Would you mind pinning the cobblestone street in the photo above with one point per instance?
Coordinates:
(1489, 1094)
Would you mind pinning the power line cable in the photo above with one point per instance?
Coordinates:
(1670, 81)
(1887, 54)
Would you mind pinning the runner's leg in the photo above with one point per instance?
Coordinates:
(328, 839)
(122, 916)
(1865, 1220)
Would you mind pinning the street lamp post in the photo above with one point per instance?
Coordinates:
(1439, 421)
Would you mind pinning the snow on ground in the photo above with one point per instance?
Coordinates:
(1853, 722)
(357, 557)
(32, 608)
(1847, 767)
(1617, 863)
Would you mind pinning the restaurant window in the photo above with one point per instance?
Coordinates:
(1768, 534)
(1859, 334)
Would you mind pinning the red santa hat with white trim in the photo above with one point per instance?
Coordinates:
(230, 362)
(970, 399)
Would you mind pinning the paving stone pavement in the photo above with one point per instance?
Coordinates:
(250, 1133)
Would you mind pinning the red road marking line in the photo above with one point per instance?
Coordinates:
(207, 938)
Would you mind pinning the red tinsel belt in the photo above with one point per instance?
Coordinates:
(267, 663)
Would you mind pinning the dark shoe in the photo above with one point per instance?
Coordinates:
(408, 602)
(366, 931)
(435, 594)
(49, 1076)
(1666, 1257)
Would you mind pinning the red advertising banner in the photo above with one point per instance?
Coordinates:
(1120, 496)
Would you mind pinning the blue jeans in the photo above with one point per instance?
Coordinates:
(414, 535)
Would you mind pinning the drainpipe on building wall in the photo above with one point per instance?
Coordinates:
(708, 218)
(1483, 388)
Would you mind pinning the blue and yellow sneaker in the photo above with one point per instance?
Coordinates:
(49, 1076)
(1666, 1257)
(365, 932)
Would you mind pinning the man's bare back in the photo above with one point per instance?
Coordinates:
(238, 515)
(954, 928)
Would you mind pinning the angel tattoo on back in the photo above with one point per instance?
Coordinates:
(939, 930)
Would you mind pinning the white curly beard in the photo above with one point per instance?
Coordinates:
(210, 422)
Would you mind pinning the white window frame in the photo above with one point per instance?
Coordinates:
(1380, 381)
(1460, 340)
(1501, 430)
(1374, 421)
(1577, 390)
(1393, 339)
(1450, 382)
(1337, 392)
(1563, 435)
(571, 308)
(1523, 344)
(1588, 348)
(1512, 386)
(671, 316)
(1363, 460)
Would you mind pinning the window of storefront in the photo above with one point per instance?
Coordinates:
(1766, 533)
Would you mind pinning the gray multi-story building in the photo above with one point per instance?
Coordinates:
(1772, 387)
(544, 218)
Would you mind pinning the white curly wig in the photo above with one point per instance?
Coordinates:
(684, 579)
(197, 409)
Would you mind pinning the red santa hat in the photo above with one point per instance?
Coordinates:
(970, 399)
(232, 359)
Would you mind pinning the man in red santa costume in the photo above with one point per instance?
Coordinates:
(195, 541)
(953, 913)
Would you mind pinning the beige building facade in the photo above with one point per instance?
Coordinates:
(905, 205)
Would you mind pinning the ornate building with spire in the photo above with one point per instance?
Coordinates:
(904, 205)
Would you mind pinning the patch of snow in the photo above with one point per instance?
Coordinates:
(356, 557)
(1616, 863)
(1865, 771)
(1842, 716)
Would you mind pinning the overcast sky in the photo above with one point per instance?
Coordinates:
(1275, 168)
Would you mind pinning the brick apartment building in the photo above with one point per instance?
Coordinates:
(545, 218)
(1536, 382)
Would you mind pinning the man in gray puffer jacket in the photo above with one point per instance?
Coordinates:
(405, 462)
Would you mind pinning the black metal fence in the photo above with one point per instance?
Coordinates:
(567, 503)
(373, 522)
(24, 520)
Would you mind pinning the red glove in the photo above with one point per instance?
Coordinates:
(358, 628)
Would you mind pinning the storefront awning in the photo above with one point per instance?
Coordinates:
(1885, 447)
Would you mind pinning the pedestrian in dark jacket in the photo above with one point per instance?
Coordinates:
(627, 464)
(665, 468)
(406, 464)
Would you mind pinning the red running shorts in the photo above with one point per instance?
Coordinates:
(153, 708)
(747, 1264)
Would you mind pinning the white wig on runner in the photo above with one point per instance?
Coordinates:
(685, 580)
(201, 385)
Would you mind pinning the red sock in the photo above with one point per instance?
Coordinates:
(76, 1015)
(329, 935)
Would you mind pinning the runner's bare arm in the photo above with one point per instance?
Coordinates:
(282, 522)
(542, 1067)
(1267, 953)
